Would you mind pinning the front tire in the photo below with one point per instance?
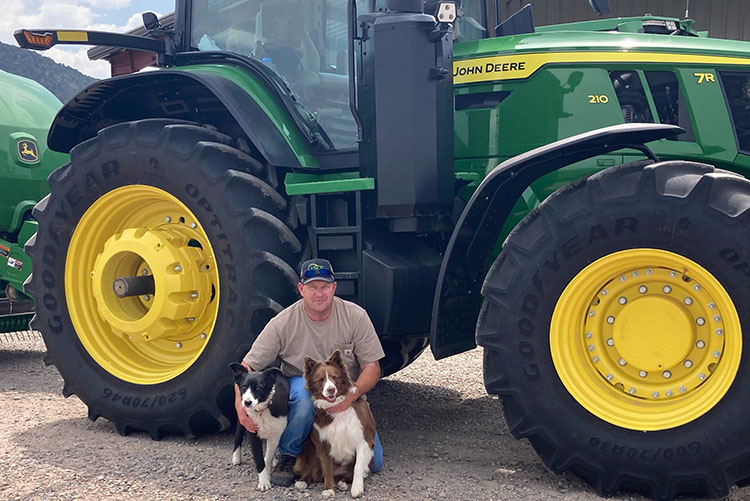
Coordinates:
(612, 329)
(176, 202)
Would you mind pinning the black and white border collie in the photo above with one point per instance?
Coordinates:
(265, 398)
(340, 446)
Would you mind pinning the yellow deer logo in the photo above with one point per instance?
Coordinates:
(27, 151)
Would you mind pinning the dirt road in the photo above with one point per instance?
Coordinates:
(444, 438)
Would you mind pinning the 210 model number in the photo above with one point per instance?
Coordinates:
(146, 402)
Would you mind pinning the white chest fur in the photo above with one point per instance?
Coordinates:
(267, 424)
(344, 434)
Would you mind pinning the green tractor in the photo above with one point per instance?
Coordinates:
(573, 199)
(26, 112)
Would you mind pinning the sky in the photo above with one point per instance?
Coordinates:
(97, 15)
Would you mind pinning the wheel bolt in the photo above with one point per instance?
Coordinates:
(203, 335)
(194, 295)
(168, 219)
(667, 289)
(716, 354)
(632, 391)
(622, 278)
(588, 335)
(592, 313)
(623, 300)
(682, 389)
(622, 362)
(669, 393)
(193, 225)
(648, 271)
(642, 373)
(610, 377)
(672, 274)
(688, 301)
(700, 321)
(147, 298)
(191, 319)
(604, 292)
(591, 347)
(717, 318)
(178, 268)
(701, 376)
(610, 319)
(711, 306)
(635, 273)
(688, 363)
(700, 343)
(643, 289)
(655, 394)
(144, 272)
(719, 331)
(666, 374)
(610, 342)
(178, 345)
(596, 360)
(696, 287)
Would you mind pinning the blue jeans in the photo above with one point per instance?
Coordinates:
(300, 421)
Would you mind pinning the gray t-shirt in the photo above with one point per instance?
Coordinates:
(291, 335)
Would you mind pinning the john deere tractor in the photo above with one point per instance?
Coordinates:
(26, 112)
(573, 199)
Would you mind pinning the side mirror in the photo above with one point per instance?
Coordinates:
(150, 21)
(601, 7)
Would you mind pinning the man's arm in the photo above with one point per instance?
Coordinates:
(242, 416)
(368, 378)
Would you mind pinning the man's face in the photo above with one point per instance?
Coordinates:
(317, 296)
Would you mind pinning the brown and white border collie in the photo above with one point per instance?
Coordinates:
(340, 445)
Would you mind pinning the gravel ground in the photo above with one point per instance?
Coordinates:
(444, 438)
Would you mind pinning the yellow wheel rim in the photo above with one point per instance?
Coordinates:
(646, 339)
(133, 231)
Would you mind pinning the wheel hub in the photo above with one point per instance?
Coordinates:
(646, 339)
(183, 290)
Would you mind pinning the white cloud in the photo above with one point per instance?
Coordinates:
(79, 60)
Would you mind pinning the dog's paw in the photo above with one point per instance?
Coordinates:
(357, 489)
(264, 481)
(328, 493)
(300, 485)
(236, 457)
(342, 485)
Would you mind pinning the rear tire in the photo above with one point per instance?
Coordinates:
(177, 201)
(613, 367)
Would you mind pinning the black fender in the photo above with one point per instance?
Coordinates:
(174, 94)
(468, 256)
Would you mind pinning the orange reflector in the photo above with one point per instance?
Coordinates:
(38, 40)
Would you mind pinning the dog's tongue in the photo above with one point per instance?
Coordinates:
(331, 398)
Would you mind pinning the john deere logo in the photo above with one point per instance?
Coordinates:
(27, 151)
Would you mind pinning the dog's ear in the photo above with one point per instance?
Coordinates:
(271, 373)
(335, 359)
(238, 370)
(310, 365)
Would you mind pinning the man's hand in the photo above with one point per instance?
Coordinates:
(367, 379)
(242, 416)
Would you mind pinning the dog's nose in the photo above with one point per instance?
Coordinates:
(247, 403)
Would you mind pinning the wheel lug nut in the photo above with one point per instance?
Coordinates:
(191, 319)
(655, 394)
(716, 354)
(632, 391)
(592, 313)
(688, 363)
(147, 298)
(682, 389)
(622, 362)
(167, 219)
(719, 331)
(700, 343)
(610, 377)
(622, 278)
(672, 274)
(194, 295)
(596, 360)
(193, 225)
(588, 335)
(701, 376)
(203, 335)
(648, 271)
(178, 268)
(667, 289)
(610, 319)
(711, 306)
(642, 373)
(700, 321)
(591, 347)
(717, 318)
(666, 374)
(669, 393)
(696, 287)
(610, 342)
(178, 345)
(144, 272)
(688, 301)
(635, 273)
(643, 289)
(622, 300)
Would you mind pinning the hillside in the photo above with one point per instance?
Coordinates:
(63, 81)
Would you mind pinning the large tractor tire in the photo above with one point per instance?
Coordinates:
(612, 329)
(200, 236)
(399, 353)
